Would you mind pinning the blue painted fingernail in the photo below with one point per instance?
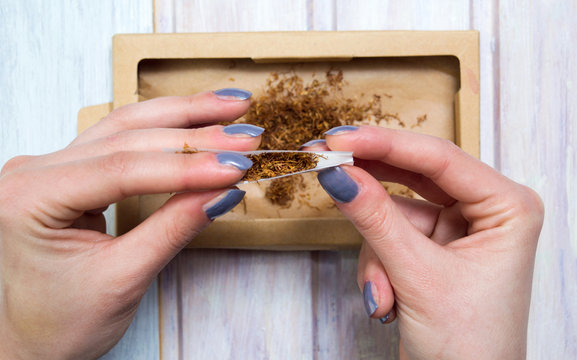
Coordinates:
(223, 203)
(243, 130)
(370, 303)
(314, 142)
(239, 161)
(232, 94)
(338, 184)
(341, 129)
(385, 318)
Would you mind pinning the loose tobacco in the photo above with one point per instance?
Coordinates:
(268, 165)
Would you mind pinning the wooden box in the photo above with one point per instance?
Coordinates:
(432, 76)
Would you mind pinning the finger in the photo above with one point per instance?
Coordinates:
(384, 172)
(423, 215)
(169, 112)
(152, 244)
(362, 199)
(315, 145)
(461, 176)
(237, 137)
(378, 296)
(98, 182)
(16, 163)
(440, 223)
(416, 182)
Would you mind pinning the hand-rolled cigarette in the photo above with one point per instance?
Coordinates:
(274, 164)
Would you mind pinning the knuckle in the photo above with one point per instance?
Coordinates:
(449, 149)
(116, 164)
(116, 141)
(531, 203)
(117, 117)
(10, 190)
(15, 163)
(375, 224)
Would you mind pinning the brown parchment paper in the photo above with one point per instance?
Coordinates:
(411, 88)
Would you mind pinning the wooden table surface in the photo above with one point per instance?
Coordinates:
(55, 57)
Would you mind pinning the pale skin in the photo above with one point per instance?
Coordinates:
(69, 291)
(454, 270)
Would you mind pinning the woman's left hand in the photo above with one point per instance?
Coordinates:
(69, 290)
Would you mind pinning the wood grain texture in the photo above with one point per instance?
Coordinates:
(330, 318)
(224, 15)
(527, 130)
(537, 148)
(235, 304)
(56, 58)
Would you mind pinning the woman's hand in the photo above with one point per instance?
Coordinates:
(69, 290)
(455, 270)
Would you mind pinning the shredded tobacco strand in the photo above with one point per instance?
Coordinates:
(267, 165)
(187, 149)
(282, 191)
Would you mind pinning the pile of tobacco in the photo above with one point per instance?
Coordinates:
(294, 112)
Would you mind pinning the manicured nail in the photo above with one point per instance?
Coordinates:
(385, 318)
(239, 161)
(232, 94)
(338, 184)
(223, 203)
(313, 142)
(243, 130)
(370, 303)
(341, 129)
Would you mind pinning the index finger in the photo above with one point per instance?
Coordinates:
(69, 189)
(460, 175)
(171, 112)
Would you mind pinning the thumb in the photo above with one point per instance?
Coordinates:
(401, 247)
(152, 244)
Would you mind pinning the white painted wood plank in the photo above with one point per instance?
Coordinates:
(224, 15)
(402, 15)
(342, 328)
(537, 147)
(515, 129)
(245, 304)
(235, 304)
(170, 308)
(217, 304)
(485, 18)
(343, 331)
(56, 58)
(322, 15)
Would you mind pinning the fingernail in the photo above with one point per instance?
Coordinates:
(243, 130)
(313, 142)
(223, 203)
(370, 303)
(232, 94)
(239, 161)
(385, 318)
(338, 184)
(341, 129)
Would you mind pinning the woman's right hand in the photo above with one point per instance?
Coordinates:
(456, 269)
